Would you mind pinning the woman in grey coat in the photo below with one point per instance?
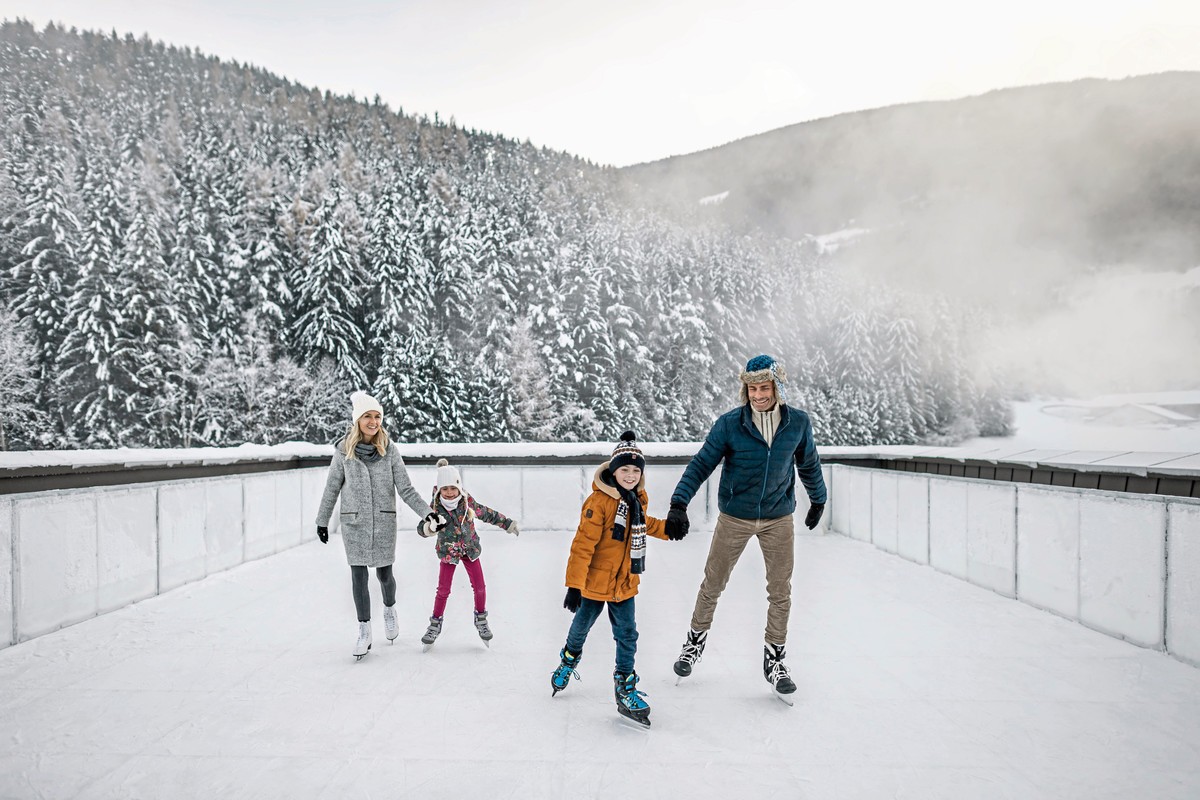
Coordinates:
(367, 474)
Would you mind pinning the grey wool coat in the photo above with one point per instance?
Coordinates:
(368, 510)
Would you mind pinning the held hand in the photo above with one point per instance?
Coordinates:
(677, 522)
(323, 534)
(433, 523)
(513, 529)
(572, 600)
(426, 530)
(814, 515)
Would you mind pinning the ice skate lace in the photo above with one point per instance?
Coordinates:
(692, 650)
(564, 673)
(777, 671)
(632, 698)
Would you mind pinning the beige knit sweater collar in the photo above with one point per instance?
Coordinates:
(767, 422)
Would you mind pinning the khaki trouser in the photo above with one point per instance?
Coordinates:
(776, 540)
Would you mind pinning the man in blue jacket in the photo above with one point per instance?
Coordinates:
(764, 444)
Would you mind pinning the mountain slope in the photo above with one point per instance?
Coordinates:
(1006, 195)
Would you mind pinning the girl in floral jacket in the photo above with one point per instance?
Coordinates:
(457, 540)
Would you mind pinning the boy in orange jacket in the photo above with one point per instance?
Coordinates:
(608, 556)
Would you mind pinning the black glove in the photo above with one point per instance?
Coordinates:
(677, 522)
(323, 534)
(814, 515)
(572, 600)
(436, 521)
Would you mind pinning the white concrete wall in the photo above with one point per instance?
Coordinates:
(126, 548)
(912, 512)
(6, 572)
(884, 511)
(860, 503)
(1125, 564)
(181, 522)
(56, 549)
(68, 555)
(1122, 565)
(1183, 581)
(840, 503)
(1048, 549)
(992, 536)
(948, 526)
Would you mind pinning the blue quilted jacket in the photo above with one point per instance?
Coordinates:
(757, 482)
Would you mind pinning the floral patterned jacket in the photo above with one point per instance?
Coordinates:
(459, 539)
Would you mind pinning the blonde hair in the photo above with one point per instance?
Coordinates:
(354, 436)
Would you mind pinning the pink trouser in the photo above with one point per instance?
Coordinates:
(446, 577)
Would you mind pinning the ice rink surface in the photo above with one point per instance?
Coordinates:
(912, 684)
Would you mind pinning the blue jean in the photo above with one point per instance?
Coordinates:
(624, 628)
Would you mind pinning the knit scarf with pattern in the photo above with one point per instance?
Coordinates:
(631, 520)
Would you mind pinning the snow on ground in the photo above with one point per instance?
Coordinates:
(912, 685)
(1037, 427)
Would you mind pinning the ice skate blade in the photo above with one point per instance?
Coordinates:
(425, 648)
(634, 722)
(787, 699)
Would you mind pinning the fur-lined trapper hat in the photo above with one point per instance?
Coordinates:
(761, 369)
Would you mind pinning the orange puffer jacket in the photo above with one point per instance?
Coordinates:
(599, 564)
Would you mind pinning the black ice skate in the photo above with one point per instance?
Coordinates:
(693, 648)
(629, 700)
(777, 674)
(565, 671)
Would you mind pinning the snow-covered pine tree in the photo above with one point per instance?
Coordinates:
(97, 363)
(263, 239)
(22, 422)
(151, 318)
(532, 416)
(328, 297)
(47, 269)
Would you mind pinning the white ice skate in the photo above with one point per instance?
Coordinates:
(391, 629)
(363, 645)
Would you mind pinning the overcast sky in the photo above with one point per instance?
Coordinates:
(626, 81)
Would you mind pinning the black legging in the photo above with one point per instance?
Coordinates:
(362, 597)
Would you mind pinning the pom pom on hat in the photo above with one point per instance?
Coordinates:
(761, 369)
(627, 453)
(447, 475)
(361, 403)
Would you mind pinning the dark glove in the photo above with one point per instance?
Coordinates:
(677, 522)
(573, 599)
(435, 520)
(814, 515)
(323, 534)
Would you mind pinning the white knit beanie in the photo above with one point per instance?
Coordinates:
(361, 403)
(447, 475)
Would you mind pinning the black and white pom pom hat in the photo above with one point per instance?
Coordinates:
(627, 453)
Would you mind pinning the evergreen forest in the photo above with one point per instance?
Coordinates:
(196, 252)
